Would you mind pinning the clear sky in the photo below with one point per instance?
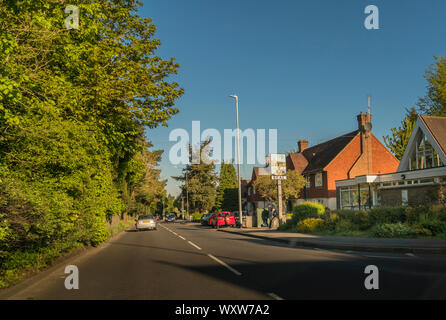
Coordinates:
(304, 67)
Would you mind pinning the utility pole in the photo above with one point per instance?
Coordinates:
(187, 197)
(238, 164)
(279, 199)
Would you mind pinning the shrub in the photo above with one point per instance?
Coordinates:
(308, 210)
(393, 230)
(359, 219)
(387, 215)
(344, 225)
(310, 225)
(434, 226)
(197, 216)
(288, 226)
(421, 231)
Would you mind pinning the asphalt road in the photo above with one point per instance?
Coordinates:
(180, 261)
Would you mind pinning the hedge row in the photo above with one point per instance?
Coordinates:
(388, 222)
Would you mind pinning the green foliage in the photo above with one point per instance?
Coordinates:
(291, 187)
(197, 216)
(308, 209)
(384, 214)
(310, 225)
(200, 180)
(434, 103)
(227, 190)
(73, 109)
(400, 136)
(393, 230)
(360, 219)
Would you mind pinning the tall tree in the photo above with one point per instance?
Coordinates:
(227, 192)
(397, 141)
(199, 180)
(434, 103)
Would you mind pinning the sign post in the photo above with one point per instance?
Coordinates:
(278, 172)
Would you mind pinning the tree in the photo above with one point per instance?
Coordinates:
(199, 180)
(434, 103)
(74, 105)
(397, 142)
(291, 187)
(227, 190)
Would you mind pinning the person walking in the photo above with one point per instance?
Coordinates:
(273, 215)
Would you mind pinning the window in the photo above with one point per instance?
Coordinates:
(318, 180)
(425, 155)
(350, 196)
(308, 179)
(404, 197)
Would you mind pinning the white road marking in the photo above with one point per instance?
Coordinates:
(224, 264)
(194, 245)
(410, 255)
(182, 237)
(274, 296)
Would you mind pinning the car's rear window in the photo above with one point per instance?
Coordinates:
(145, 217)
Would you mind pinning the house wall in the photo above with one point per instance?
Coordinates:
(382, 159)
(416, 194)
(339, 167)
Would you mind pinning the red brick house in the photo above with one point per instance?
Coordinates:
(353, 154)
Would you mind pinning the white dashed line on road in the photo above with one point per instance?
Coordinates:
(224, 264)
(182, 237)
(410, 255)
(275, 296)
(194, 245)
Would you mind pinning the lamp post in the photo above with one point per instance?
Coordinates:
(238, 163)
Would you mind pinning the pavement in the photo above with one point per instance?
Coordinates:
(189, 262)
(433, 246)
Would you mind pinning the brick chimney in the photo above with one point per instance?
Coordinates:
(365, 129)
(302, 145)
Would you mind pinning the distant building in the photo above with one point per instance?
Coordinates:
(353, 154)
(421, 174)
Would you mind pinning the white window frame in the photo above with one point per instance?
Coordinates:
(320, 175)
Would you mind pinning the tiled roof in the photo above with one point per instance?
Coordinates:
(437, 127)
(319, 156)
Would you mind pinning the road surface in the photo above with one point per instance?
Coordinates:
(189, 261)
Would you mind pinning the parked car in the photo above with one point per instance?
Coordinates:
(229, 219)
(146, 222)
(237, 217)
(171, 217)
(205, 219)
(217, 220)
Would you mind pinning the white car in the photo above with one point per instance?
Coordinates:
(147, 222)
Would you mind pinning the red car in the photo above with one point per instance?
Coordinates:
(221, 219)
(217, 220)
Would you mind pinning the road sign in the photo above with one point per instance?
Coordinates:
(278, 164)
(278, 177)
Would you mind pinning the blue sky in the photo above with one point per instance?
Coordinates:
(304, 67)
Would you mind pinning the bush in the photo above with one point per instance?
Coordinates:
(360, 220)
(387, 215)
(310, 225)
(393, 230)
(308, 210)
(197, 216)
(344, 225)
(434, 226)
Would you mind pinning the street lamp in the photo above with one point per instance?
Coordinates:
(238, 163)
